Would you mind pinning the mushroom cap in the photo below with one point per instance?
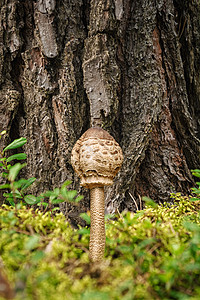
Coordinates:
(96, 158)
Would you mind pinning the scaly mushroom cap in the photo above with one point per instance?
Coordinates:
(96, 158)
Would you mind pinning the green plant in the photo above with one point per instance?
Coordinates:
(16, 189)
(151, 254)
(59, 195)
(195, 190)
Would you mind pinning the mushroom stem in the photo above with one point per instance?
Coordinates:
(97, 229)
(96, 158)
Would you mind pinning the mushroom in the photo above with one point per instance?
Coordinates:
(96, 158)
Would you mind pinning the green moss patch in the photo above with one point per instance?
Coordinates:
(151, 254)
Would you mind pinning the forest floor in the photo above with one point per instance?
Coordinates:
(150, 254)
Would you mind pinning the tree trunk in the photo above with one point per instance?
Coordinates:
(131, 67)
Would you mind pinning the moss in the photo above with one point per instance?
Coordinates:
(153, 254)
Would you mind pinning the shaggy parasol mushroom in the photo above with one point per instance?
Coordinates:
(96, 158)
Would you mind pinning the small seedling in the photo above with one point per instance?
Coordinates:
(16, 188)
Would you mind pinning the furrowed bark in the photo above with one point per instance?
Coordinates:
(129, 66)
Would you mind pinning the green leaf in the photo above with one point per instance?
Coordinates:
(18, 184)
(55, 194)
(3, 132)
(16, 144)
(4, 186)
(149, 202)
(66, 183)
(47, 194)
(8, 195)
(84, 231)
(15, 194)
(56, 191)
(18, 156)
(57, 201)
(31, 199)
(4, 174)
(28, 183)
(64, 192)
(14, 171)
(194, 199)
(40, 198)
(71, 194)
(196, 173)
(79, 198)
(68, 195)
(3, 159)
(85, 217)
(109, 216)
(195, 190)
(56, 208)
(11, 201)
(44, 204)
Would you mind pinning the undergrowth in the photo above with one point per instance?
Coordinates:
(151, 254)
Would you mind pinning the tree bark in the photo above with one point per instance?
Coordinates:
(131, 67)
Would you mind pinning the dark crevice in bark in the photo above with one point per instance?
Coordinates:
(14, 132)
(86, 124)
(86, 14)
(14, 129)
(81, 90)
(27, 32)
(120, 37)
(52, 65)
(189, 50)
(164, 58)
(117, 125)
(6, 67)
(161, 25)
(55, 134)
(17, 65)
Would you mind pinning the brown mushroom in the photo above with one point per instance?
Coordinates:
(96, 158)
